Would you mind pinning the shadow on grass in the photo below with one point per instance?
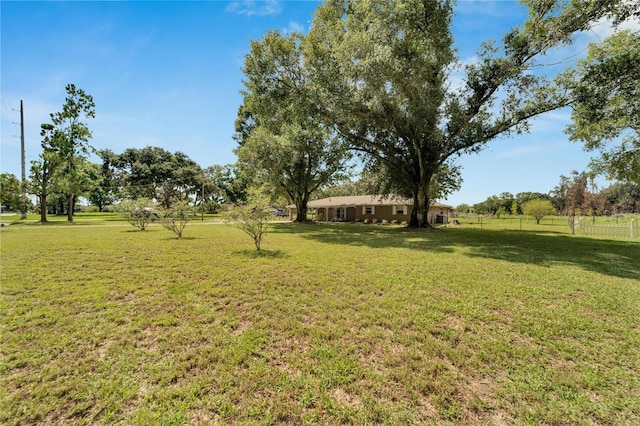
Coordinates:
(618, 258)
(262, 254)
(135, 230)
(183, 238)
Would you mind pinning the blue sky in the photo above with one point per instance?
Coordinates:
(169, 73)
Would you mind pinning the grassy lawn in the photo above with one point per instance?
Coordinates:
(103, 218)
(329, 324)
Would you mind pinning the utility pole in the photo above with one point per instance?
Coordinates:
(202, 200)
(23, 207)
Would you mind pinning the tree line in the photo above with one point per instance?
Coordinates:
(63, 173)
(574, 195)
(379, 85)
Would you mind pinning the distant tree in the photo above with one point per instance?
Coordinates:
(515, 208)
(578, 197)
(599, 204)
(624, 197)
(463, 209)
(538, 209)
(344, 188)
(106, 190)
(227, 183)
(523, 197)
(252, 218)
(176, 217)
(488, 206)
(10, 192)
(506, 201)
(560, 195)
(158, 174)
(365, 184)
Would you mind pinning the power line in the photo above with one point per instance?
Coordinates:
(4, 103)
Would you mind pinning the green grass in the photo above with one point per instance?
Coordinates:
(329, 324)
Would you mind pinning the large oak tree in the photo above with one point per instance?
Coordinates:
(385, 72)
(157, 174)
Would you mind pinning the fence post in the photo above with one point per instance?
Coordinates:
(632, 226)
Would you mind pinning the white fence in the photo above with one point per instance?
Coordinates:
(627, 230)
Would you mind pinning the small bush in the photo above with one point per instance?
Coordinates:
(176, 218)
(252, 218)
(139, 213)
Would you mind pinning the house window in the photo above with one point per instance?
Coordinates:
(398, 209)
(368, 210)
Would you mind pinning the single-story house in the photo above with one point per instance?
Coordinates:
(372, 207)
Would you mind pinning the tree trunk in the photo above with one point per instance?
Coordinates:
(70, 203)
(43, 207)
(421, 202)
(301, 212)
(301, 208)
(420, 212)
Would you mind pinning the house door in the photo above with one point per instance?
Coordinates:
(340, 214)
(351, 214)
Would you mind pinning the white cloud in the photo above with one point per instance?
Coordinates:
(604, 28)
(257, 8)
(293, 27)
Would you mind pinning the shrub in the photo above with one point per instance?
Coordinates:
(139, 213)
(88, 209)
(253, 217)
(175, 219)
